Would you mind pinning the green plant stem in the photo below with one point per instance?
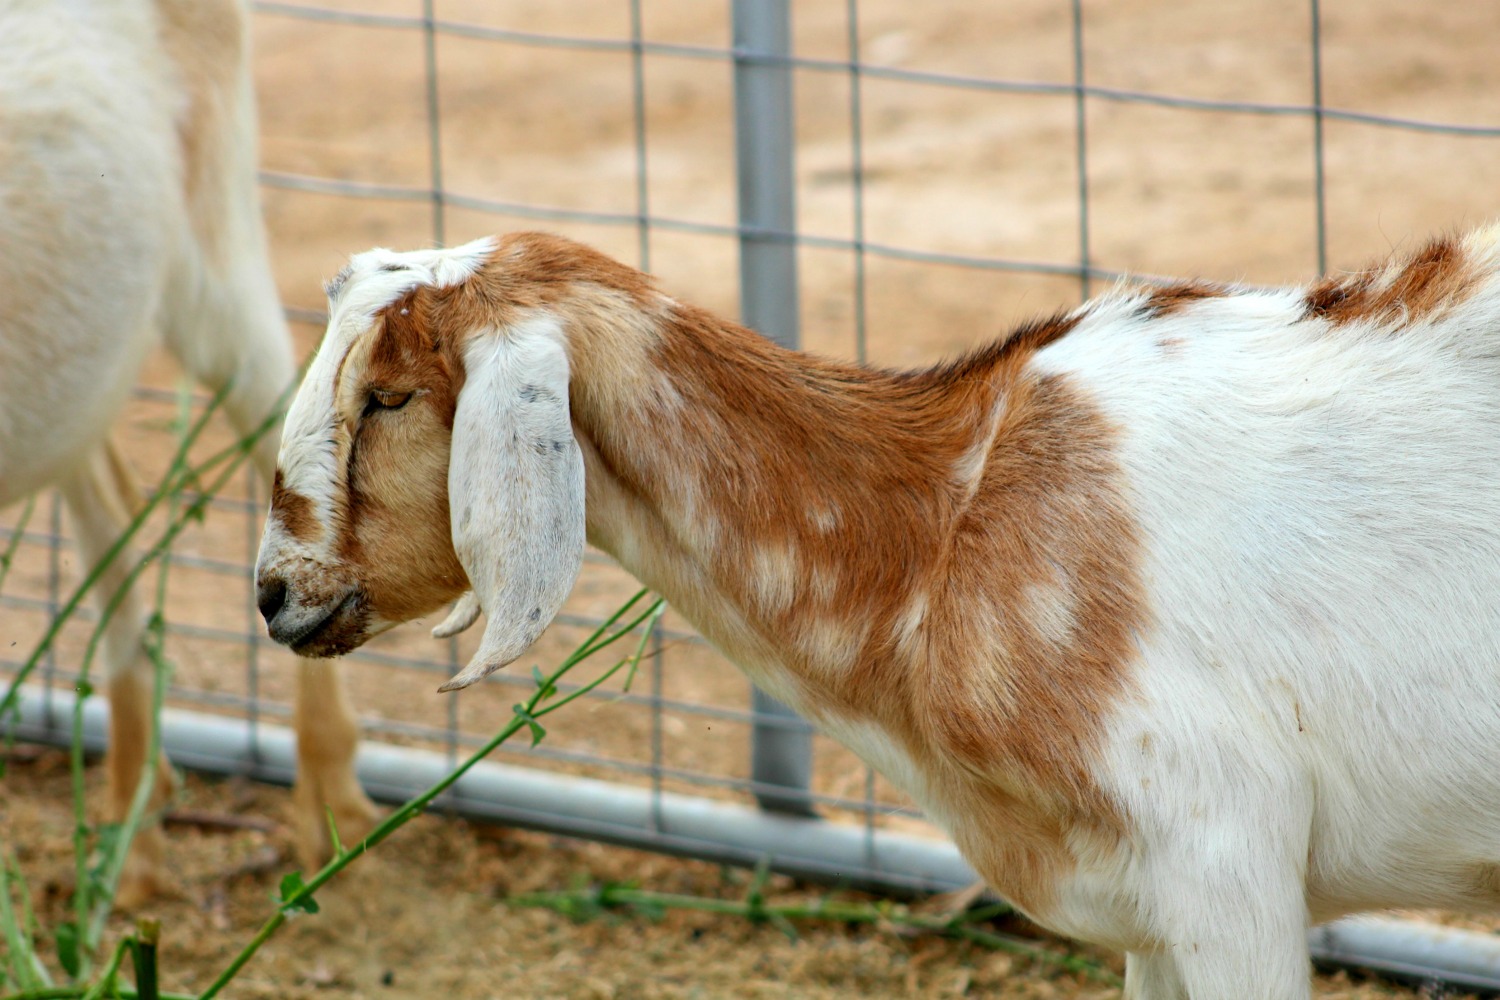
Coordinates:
(26, 968)
(647, 622)
(237, 452)
(143, 956)
(527, 713)
(80, 992)
(112, 864)
(960, 927)
(106, 981)
(71, 604)
(17, 533)
(88, 917)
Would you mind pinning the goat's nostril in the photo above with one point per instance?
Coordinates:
(270, 597)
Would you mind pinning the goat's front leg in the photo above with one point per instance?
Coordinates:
(1226, 901)
(327, 737)
(1230, 937)
(1152, 976)
(101, 498)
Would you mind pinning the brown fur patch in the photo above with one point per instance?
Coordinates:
(294, 511)
(962, 528)
(1435, 278)
(1487, 882)
(1000, 711)
(1168, 299)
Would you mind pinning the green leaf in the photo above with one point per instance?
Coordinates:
(545, 686)
(291, 884)
(538, 732)
(67, 948)
(333, 833)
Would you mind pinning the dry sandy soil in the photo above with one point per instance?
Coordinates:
(1220, 194)
(424, 916)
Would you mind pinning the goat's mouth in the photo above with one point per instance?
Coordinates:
(332, 630)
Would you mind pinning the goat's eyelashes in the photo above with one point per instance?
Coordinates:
(382, 399)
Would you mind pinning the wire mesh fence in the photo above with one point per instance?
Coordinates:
(864, 179)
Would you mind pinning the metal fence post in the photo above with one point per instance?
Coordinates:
(781, 754)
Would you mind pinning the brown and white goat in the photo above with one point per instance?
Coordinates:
(132, 217)
(1177, 611)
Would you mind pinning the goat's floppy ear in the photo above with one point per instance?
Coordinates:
(515, 491)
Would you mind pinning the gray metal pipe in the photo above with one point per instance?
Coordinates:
(520, 796)
(765, 145)
(1410, 951)
(814, 849)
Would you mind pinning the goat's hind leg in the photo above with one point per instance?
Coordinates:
(101, 499)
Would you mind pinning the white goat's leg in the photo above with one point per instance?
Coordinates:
(1152, 976)
(1234, 925)
(101, 499)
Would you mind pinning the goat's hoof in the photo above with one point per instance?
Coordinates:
(144, 878)
(139, 887)
(353, 815)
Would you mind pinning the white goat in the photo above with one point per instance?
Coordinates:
(1178, 611)
(131, 216)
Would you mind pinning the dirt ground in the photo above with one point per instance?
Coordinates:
(1220, 194)
(425, 916)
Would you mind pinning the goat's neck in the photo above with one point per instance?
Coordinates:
(801, 512)
(939, 567)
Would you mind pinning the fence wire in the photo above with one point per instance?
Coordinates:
(661, 736)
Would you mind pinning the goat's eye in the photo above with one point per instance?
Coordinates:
(380, 399)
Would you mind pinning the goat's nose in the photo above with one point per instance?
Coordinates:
(270, 597)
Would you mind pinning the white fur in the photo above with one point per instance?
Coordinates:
(103, 256)
(1316, 724)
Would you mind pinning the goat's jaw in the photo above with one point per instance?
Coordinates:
(327, 630)
(315, 614)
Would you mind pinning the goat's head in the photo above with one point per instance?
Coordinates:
(428, 451)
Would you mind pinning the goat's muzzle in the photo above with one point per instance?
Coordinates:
(322, 624)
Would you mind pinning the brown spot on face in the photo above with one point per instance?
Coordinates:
(294, 511)
(394, 535)
(1170, 346)
(1434, 278)
(1169, 299)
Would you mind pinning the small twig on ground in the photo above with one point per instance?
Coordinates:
(24, 753)
(265, 860)
(218, 822)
